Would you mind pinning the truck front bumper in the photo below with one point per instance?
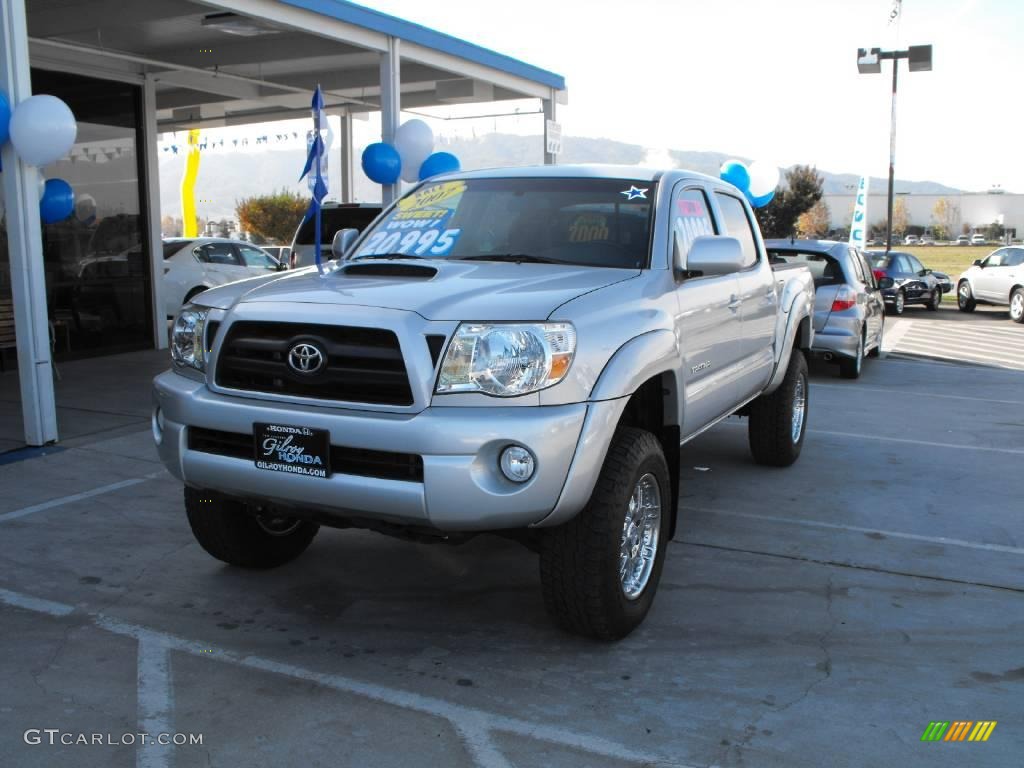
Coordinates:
(462, 486)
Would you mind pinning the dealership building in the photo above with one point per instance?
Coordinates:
(90, 285)
(976, 210)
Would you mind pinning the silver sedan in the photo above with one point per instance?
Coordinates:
(849, 313)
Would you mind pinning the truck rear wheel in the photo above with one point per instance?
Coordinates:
(600, 570)
(239, 535)
(778, 422)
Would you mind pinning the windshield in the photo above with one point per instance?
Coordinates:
(333, 218)
(589, 222)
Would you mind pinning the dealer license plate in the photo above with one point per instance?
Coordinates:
(296, 450)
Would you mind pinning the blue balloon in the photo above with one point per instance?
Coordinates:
(5, 118)
(381, 163)
(58, 201)
(736, 173)
(762, 201)
(439, 162)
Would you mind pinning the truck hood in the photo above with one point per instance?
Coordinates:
(434, 289)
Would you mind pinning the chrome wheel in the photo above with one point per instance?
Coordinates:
(901, 302)
(799, 407)
(963, 295)
(1017, 306)
(277, 525)
(640, 530)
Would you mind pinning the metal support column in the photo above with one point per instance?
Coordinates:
(550, 107)
(345, 148)
(25, 244)
(390, 105)
(156, 252)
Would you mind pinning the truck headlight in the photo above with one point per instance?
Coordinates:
(507, 359)
(187, 338)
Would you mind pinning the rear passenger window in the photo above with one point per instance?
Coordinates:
(690, 220)
(1016, 257)
(736, 224)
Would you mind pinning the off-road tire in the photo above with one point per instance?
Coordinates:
(228, 530)
(579, 560)
(771, 418)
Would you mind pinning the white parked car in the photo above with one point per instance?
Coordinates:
(191, 265)
(910, 240)
(996, 279)
(977, 239)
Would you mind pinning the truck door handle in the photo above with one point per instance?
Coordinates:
(734, 302)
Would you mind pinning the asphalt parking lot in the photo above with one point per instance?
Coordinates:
(820, 615)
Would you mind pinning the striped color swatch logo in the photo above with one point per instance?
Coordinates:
(958, 730)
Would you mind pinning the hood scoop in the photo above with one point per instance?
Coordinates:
(419, 271)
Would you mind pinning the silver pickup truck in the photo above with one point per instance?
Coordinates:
(519, 351)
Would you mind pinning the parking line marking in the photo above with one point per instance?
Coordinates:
(25, 511)
(892, 336)
(997, 352)
(903, 440)
(475, 735)
(35, 604)
(857, 529)
(848, 389)
(155, 700)
(928, 351)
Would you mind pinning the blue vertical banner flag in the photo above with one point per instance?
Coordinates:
(859, 225)
(314, 165)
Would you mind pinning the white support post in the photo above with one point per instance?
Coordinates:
(550, 107)
(150, 154)
(25, 244)
(390, 105)
(347, 191)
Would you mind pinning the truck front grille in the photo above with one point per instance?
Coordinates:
(347, 461)
(363, 365)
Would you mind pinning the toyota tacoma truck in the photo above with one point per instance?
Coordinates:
(517, 351)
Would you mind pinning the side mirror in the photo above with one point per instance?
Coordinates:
(281, 267)
(978, 263)
(714, 255)
(885, 282)
(924, 272)
(343, 240)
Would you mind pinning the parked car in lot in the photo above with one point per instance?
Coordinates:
(849, 314)
(193, 265)
(996, 279)
(963, 240)
(926, 240)
(978, 240)
(911, 283)
(334, 217)
(519, 351)
(910, 240)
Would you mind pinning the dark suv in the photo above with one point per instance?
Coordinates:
(912, 283)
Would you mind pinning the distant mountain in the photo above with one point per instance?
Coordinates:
(226, 177)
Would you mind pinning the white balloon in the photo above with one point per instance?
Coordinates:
(43, 129)
(414, 141)
(764, 177)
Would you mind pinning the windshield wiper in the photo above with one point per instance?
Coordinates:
(516, 257)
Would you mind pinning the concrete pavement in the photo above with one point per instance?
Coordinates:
(819, 615)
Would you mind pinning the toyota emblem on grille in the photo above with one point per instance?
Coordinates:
(305, 358)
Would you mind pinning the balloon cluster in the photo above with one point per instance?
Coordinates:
(411, 157)
(757, 183)
(42, 130)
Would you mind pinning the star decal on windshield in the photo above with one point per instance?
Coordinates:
(633, 193)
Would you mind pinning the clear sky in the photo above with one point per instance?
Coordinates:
(773, 80)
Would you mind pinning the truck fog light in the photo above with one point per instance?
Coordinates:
(517, 464)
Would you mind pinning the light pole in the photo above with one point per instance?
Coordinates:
(869, 62)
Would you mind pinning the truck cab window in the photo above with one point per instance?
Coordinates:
(736, 224)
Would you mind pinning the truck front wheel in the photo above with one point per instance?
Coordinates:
(600, 571)
(778, 422)
(233, 532)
